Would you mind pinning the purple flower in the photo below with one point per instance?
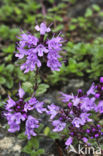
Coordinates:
(53, 61)
(53, 111)
(77, 122)
(33, 103)
(59, 126)
(69, 141)
(40, 49)
(54, 46)
(39, 107)
(14, 127)
(99, 107)
(66, 97)
(91, 90)
(30, 105)
(31, 124)
(25, 40)
(22, 53)
(21, 92)
(55, 43)
(84, 117)
(14, 121)
(43, 28)
(88, 104)
(97, 95)
(85, 139)
(14, 118)
(27, 37)
(76, 115)
(17, 112)
(76, 101)
(31, 48)
(10, 103)
(101, 79)
(54, 64)
(29, 65)
(96, 135)
(70, 104)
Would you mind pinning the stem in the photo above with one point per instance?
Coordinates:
(43, 8)
(59, 149)
(55, 24)
(36, 81)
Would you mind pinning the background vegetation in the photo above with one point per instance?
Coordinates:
(82, 29)
(80, 23)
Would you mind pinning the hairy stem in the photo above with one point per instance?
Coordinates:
(36, 81)
(43, 8)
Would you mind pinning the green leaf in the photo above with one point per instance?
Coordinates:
(4, 32)
(30, 19)
(2, 68)
(2, 80)
(54, 135)
(8, 58)
(58, 18)
(32, 146)
(42, 89)
(46, 131)
(51, 1)
(27, 149)
(96, 7)
(1, 104)
(89, 12)
(40, 128)
(17, 11)
(10, 68)
(34, 142)
(58, 28)
(72, 27)
(9, 49)
(101, 13)
(38, 152)
(22, 135)
(9, 82)
(33, 153)
(27, 86)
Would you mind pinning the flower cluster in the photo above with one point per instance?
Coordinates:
(19, 111)
(76, 115)
(34, 49)
(97, 90)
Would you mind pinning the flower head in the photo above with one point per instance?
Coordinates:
(91, 90)
(99, 107)
(69, 141)
(53, 111)
(59, 126)
(35, 51)
(77, 114)
(40, 49)
(43, 28)
(18, 112)
(21, 92)
(31, 124)
(77, 122)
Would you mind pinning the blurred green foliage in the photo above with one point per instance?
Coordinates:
(82, 52)
(88, 23)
